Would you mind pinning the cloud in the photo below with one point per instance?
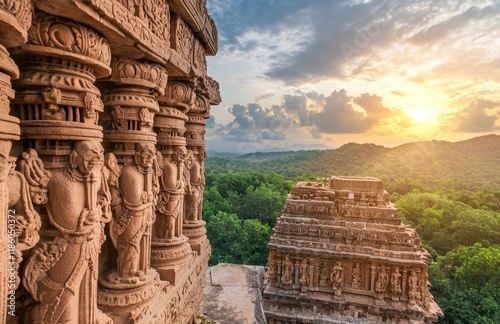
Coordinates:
(314, 113)
(480, 116)
(304, 42)
(266, 95)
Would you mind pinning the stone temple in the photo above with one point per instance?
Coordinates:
(339, 254)
(102, 120)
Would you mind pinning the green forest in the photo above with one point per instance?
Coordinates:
(450, 192)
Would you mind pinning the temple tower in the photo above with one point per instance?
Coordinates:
(339, 253)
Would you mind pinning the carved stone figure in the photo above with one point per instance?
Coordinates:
(194, 196)
(356, 276)
(286, 271)
(304, 272)
(133, 212)
(337, 278)
(62, 274)
(396, 284)
(413, 290)
(382, 281)
(170, 200)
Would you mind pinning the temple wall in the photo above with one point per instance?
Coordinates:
(102, 121)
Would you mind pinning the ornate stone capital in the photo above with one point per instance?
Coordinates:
(62, 38)
(139, 73)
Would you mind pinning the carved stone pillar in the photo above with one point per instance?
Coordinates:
(12, 34)
(170, 250)
(59, 104)
(130, 99)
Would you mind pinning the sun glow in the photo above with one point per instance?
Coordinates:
(422, 116)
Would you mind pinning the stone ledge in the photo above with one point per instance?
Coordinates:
(233, 294)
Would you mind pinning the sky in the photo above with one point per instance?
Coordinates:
(332, 71)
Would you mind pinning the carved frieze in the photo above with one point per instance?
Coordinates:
(199, 59)
(182, 39)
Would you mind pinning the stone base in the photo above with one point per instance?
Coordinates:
(165, 303)
(171, 262)
(197, 235)
(280, 306)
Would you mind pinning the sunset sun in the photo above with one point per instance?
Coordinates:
(422, 116)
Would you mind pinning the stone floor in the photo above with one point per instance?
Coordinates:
(233, 295)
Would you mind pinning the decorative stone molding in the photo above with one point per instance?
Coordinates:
(15, 20)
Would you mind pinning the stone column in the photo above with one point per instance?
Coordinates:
(59, 106)
(130, 100)
(170, 250)
(15, 20)
(194, 226)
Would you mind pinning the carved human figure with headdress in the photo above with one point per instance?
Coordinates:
(171, 197)
(356, 276)
(337, 278)
(382, 281)
(396, 283)
(287, 271)
(194, 196)
(62, 274)
(134, 194)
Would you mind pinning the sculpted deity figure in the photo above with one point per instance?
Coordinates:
(194, 194)
(26, 188)
(304, 272)
(356, 276)
(62, 274)
(171, 197)
(413, 292)
(337, 278)
(134, 190)
(287, 271)
(382, 281)
(396, 283)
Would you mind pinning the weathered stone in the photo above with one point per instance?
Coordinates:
(234, 294)
(340, 254)
(99, 126)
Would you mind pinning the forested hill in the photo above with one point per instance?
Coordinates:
(465, 165)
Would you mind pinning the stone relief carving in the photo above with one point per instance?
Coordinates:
(194, 195)
(337, 278)
(63, 273)
(382, 281)
(134, 189)
(65, 35)
(155, 13)
(286, 271)
(356, 276)
(413, 289)
(170, 200)
(304, 274)
(396, 284)
(21, 9)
